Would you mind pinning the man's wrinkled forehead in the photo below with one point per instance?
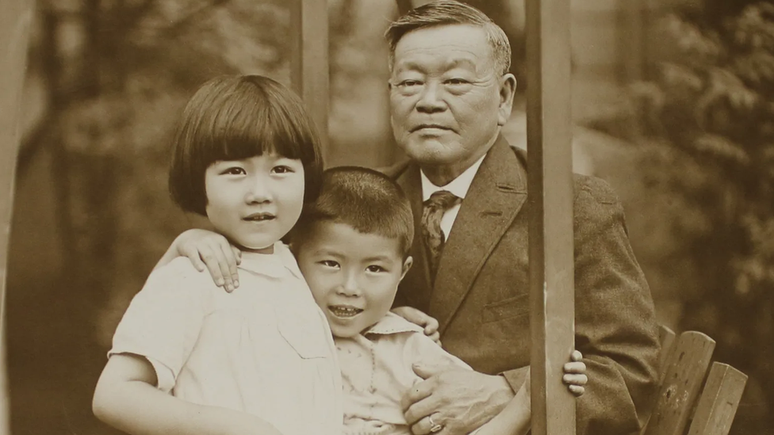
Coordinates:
(466, 43)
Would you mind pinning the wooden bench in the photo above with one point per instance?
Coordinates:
(690, 400)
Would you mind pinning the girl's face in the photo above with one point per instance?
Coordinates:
(256, 201)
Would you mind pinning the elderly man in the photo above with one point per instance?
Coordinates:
(450, 94)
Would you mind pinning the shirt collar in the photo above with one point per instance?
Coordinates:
(458, 186)
(392, 323)
(275, 265)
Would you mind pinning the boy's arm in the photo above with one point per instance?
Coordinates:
(210, 250)
(127, 399)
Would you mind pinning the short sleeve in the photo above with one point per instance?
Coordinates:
(163, 321)
(421, 349)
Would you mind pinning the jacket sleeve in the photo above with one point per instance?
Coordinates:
(615, 322)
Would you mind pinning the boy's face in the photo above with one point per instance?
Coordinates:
(256, 201)
(353, 276)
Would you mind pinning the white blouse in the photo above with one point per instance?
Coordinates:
(265, 348)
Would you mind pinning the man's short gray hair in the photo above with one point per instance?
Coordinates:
(439, 13)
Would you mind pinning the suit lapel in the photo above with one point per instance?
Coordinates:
(417, 282)
(495, 197)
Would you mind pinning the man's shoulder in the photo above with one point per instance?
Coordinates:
(589, 188)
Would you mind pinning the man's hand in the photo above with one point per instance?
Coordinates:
(417, 317)
(458, 400)
(207, 250)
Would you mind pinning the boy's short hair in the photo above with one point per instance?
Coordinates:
(365, 199)
(234, 118)
(444, 12)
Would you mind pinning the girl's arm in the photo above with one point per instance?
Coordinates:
(127, 399)
(210, 250)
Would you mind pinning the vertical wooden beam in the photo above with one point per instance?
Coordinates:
(550, 198)
(309, 70)
(15, 20)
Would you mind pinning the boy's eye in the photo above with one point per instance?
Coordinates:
(329, 263)
(234, 171)
(375, 269)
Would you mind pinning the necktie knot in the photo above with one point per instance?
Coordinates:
(442, 200)
(434, 209)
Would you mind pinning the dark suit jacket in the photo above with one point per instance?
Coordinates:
(480, 297)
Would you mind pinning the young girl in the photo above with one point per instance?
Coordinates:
(188, 357)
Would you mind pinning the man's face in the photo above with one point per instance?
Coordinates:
(353, 276)
(446, 99)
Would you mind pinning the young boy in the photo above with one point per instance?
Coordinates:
(352, 247)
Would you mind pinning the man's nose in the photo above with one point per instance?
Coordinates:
(258, 190)
(350, 286)
(431, 98)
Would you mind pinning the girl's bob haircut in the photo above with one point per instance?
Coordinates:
(235, 118)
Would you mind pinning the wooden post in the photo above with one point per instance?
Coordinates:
(309, 70)
(15, 22)
(550, 199)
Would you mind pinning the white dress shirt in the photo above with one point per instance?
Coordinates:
(459, 186)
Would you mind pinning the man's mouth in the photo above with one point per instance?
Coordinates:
(429, 127)
(344, 311)
(259, 217)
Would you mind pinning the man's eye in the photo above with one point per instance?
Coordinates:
(234, 171)
(375, 269)
(456, 81)
(282, 169)
(409, 83)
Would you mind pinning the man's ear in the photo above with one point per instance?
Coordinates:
(507, 92)
(406, 266)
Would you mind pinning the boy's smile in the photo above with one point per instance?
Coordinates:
(353, 276)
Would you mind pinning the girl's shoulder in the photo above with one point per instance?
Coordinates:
(179, 273)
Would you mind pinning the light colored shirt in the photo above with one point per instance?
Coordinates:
(376, 371)
(459, 186)
(265, 348)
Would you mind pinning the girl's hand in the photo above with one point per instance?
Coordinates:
(208, 250)
(417, 317)
(575, 374)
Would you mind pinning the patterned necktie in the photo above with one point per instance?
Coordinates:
(433, 211)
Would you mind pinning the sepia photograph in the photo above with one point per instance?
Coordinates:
(383, 217)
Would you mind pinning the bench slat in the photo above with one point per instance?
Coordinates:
(685, 372)
(719, 401)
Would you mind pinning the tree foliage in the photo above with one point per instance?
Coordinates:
(705, 122)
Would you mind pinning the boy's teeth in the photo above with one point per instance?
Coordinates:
(345, 311)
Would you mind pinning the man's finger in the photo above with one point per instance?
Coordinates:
(424, 371)
(431, 325)
(426, 424)
(577, 390)
(436, 337)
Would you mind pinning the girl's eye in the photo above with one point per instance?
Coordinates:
(282, 169)
(234, 171)
(375, 269)
(329, 263)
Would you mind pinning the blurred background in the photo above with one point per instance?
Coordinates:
(673, 102)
